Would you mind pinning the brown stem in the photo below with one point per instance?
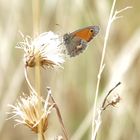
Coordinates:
(105, 99)
(60, 119)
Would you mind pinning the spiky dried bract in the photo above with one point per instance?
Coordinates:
(45, 50)
(27, 112)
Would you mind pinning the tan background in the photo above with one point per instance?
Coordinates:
(74, 86)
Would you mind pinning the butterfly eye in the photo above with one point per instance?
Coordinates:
(91, 30)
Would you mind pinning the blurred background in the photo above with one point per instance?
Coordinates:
(74, 86)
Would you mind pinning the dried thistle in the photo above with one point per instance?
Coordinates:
(33, 111)
(45, 50)
(27, 112)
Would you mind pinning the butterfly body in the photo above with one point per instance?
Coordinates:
(76, 42)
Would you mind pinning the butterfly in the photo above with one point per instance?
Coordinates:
(76, 42)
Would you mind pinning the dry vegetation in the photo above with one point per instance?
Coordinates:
(74, 86)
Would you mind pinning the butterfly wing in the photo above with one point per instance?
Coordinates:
(87, 33)
(76, 42)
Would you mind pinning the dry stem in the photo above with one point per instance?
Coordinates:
(113, 16)
(27, 79)
(101, 67)
(58, 114)
(36, 16)
(105, 99)
(103, 107)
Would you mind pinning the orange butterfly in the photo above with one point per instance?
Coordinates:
(76, 42)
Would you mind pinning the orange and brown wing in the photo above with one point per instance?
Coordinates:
(76, 42)
(86, 33)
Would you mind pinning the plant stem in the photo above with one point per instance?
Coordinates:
(36, 16)
(58, 114)
(101, 67)
(36, 20)
(105, 99)
(41, 136)
(27, 79)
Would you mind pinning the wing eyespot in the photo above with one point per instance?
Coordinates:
(91, 30)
